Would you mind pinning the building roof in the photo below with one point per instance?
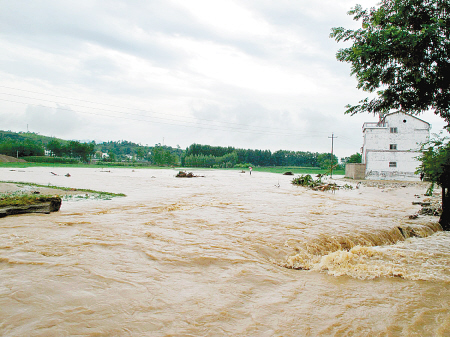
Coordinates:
(401, 112)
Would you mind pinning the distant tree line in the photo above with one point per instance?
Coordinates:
(21, 148)
(198, 155)
(72, 149)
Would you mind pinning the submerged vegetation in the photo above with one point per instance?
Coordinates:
(317, 184)
(307, 180)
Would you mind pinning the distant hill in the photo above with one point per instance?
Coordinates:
(118, 150)
(22, 136)
(8, 159)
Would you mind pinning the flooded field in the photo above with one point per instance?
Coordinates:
(227, 254)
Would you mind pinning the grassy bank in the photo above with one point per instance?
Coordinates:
(23, 199)
(297, 170)
(119, 165)
(20, 184)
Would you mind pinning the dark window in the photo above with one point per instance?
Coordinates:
(392, 164)
(404, 121)
(393, 147)
(394, 130)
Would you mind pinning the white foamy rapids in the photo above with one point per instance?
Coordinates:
(411, 252)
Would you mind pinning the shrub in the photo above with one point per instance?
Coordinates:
(47, 159)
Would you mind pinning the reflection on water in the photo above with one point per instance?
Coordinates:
(227, 254)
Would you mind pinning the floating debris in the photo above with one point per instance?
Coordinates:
(183, 174)
(318, 184)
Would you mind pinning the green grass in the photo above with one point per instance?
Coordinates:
(297, 170)
(273, 169)
(281, 170)
(17, 199)
(119, 165)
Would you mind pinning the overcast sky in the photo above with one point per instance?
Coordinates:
(255, 74)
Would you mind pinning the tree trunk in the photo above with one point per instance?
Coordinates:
(444, 221)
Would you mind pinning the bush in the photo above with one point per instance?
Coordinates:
(127, 164)
(47, 159)
(246, 165)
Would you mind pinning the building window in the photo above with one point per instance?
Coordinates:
(392, 164)
(392, 146)
(394, 130)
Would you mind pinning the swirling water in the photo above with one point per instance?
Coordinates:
(226, 254)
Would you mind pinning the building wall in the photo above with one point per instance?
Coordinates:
(355, 171)
(379, 167)
(392, 155)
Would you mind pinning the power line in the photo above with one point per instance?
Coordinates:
(263, 128)
(202, 126)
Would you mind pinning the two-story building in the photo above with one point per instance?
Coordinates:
(392, 144)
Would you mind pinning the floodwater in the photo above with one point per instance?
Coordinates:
(227, 254)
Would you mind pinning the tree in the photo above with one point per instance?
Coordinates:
(158, 156)
(55, 147)
(435, 166)
(326, 160)
(402, 49)
(83, 151)
(354, 158)
(403, 52)
(140, 153)
(21, 148)
(163, 157)
(111, 156)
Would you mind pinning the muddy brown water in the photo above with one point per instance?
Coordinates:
(227, 254)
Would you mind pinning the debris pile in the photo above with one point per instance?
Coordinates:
(183, 174)
(318, 184)
(431, 206)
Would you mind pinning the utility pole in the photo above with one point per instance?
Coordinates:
(332, 147)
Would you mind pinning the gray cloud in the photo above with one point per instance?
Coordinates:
(268, 67)
(60, 121)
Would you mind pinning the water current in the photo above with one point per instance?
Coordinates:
(226, 254)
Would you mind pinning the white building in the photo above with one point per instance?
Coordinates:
(392, 145)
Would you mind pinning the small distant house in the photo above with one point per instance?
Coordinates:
(392, 144)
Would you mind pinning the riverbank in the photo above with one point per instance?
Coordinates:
(14, 188)
(272, 169)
